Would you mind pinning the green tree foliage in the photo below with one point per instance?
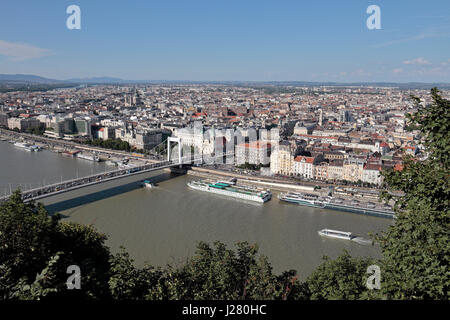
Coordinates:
(249, 166)
(130, 283)
(416, 249)
(114, 144)
(341, 279)
(30, 241)
(218, 273)
(36, 131)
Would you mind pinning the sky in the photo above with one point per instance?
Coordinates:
(218, 40)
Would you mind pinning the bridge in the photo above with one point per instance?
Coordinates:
(78, 183)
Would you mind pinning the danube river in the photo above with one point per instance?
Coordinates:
(163, 225)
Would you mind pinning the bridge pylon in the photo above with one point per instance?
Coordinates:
(178, 141)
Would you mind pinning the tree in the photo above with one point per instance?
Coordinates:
(219, 273)
(341, 279)
(32, 243)
(129, 282)
(416, 249)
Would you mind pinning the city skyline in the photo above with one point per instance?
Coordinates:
(231, 41)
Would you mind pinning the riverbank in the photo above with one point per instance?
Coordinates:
(273, 184)
(362, 200)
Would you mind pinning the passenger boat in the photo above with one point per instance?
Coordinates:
(355, 206)
(88, 157)
(231, 190)
(27, 146)
(336, 234)
(305, 199)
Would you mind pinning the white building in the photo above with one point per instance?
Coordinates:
(303, 166)
(371, 174)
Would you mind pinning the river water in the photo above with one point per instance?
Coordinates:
(163, 225)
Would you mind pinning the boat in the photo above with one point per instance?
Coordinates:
(88, 157)
(231, 190)
(305, 199)
(354, 206)
(27, 146)
(336, 234)
(148, 184)
(35, 148)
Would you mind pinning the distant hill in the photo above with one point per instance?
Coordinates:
(98, 80)
(26, 78)
(33, 79)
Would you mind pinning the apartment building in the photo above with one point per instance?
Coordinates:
(255, 152)
(336, 170)
(303, 166)
(372, 174)
(281, 159)
(353, 169)
(23, 124)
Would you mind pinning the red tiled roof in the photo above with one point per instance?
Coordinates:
(307, 159)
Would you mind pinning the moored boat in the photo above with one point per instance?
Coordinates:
(354, 206)
(231, 190)
(88, 157)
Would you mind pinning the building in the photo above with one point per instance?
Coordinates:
(344, 116)
(303, 166)
(255, 152)
(321, 171)
(140, 139)
(371, 174)
(281, 159)
(3, 120)
(106, 133)
(336, 170)
(23, 124)
(353, 170)
(83, 127)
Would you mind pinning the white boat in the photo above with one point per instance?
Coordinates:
(305, 199)
(27, 146)
(88, 157)
(148, 184)
(312, 200)
(230, 190)
(33, 148)
(336, 234)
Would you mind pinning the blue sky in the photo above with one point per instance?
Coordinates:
(228, 40)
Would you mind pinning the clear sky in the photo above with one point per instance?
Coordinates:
(228, 40)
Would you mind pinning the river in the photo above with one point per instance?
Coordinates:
(163, 225)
